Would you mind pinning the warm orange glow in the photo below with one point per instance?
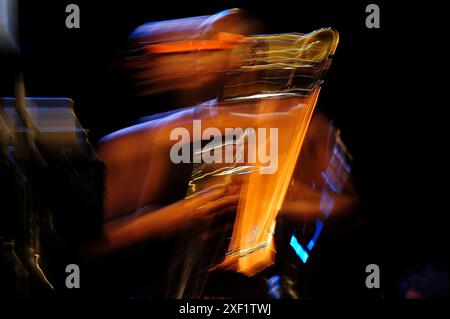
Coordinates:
(224, 41)
(262, 195)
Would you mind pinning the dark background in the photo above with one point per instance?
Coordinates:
(377, 92)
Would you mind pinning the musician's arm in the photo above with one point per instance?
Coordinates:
(310, 204)
(297, 211)
(169, 221)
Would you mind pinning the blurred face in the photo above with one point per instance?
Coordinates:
(187, 56)
(182, 71)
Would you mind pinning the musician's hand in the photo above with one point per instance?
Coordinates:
(210, 203)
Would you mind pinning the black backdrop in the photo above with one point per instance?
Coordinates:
(377, 92)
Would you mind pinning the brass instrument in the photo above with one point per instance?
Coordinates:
(277, 85)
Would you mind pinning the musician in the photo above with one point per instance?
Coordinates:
(140, 175)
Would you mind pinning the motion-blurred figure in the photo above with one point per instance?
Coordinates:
(260, 81)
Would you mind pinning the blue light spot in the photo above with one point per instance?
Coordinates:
(274, 287)
(299, 250)
(327, 180)
(312, 242)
